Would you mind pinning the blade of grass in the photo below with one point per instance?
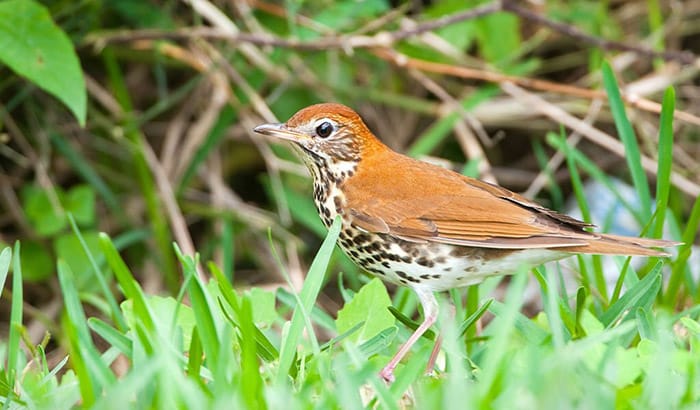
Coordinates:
(663, 176)
(202, 309)
(594, 171)
(476, 315)
(116, 313)
(97, 374)
(265, 348)
(598, 275)
(680, 266)
(13, 350)
(251, 382)
(113, 336)
(132, 291)
(629, 139)
(307, 297)
(632, 297)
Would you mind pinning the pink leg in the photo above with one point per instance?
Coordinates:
(434, 354)
(430, 313)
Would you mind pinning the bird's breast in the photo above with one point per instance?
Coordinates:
(432, 265)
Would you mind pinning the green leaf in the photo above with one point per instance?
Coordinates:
(68, 248)
(629, 139)
(80, 201)
(165, 308)
(46, 216)
(37, 261)
(263, 303)
(33, 46)
(369, 306)
(306, 299)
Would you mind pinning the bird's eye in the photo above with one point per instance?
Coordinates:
(324, 129)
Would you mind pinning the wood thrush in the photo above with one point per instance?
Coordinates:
(418, 225)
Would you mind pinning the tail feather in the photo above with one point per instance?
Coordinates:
(622, 245)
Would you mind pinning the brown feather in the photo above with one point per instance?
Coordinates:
(428, 203)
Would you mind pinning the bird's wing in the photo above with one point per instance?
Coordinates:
(427, 203)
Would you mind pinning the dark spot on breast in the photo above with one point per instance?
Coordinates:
(406, 259)
(386, 264)
(353, 253)
(361, 238)
(425, 277)
(365, 261)
(374, 270)
(436, 276)
(440, 259)
(373, 247)
(392, 257)
(338, 204)
(423, 261)
(470, 269)
(404, 275)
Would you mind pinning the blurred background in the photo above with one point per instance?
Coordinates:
(174, 88)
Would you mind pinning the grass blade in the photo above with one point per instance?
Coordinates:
(681, 264)
(113, 336)
(307, 297)
(629, 139)
(95, 375)
(633, 297)
(116, 313)
(663, 181)
(132, 291)
(16, 310)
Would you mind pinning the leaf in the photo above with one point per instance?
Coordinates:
(80, 201)
(263, 304)
(42, 214)
(165, 308)
(33, 46)
(369, 306)
(68, 248)
(37, 261)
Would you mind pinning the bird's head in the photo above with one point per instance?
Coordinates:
(327, 135)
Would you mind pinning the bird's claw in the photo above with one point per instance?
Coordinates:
(387, 374)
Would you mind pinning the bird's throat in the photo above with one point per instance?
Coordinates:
(328, 182)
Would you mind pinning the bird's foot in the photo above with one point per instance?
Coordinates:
(387, 374)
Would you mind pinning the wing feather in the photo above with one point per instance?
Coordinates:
(428, 203)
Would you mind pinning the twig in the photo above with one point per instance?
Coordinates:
(466, 139)
(685, 57)
(175, 217)
(595, 135)
(402, 60)
(558, 158)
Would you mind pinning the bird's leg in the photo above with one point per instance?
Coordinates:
(430, 313)
(434, 354)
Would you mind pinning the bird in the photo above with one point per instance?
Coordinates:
(415, 224)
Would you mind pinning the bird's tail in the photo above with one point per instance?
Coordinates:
(622, 245)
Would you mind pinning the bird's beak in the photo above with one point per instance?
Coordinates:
(280, 131)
